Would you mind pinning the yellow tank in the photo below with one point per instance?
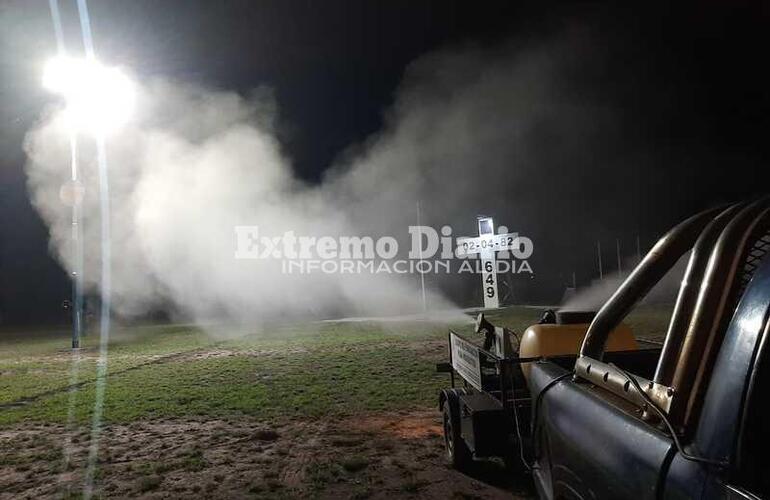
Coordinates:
(554, 339)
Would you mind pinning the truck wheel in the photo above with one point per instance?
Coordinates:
(457, 453)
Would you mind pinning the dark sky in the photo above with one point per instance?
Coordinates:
(335, 66)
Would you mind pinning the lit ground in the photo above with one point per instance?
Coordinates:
(314, 410)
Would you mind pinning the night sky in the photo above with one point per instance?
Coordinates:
(693, 77)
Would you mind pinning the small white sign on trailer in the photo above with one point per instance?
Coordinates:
(465, 359)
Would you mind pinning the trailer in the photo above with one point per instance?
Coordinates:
(487, 408)
(477, 415)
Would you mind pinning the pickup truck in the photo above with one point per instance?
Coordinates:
(602, 418)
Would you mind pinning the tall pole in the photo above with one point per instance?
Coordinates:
(422, 275)
(599, 252)
(77, 195)
(77, 247)
(617, 248)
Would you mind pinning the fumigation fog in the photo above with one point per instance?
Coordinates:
(471, 128)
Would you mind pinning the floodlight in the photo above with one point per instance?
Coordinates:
(486, 226)
(98, 98)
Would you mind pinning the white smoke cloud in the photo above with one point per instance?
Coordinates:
(197, 162)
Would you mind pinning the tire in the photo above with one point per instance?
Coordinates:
(457, 453)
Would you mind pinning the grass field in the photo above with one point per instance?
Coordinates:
(179, 404)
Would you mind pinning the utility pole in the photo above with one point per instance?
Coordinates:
(76, 194)
(422, 275)
(617, 247)
(77, 246)
(599, 252)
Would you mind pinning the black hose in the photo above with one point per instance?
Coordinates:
(518, 429)
(535, 411)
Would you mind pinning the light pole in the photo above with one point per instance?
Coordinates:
(97, 100)
(72, 194)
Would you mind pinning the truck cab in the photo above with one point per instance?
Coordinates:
(691, 422)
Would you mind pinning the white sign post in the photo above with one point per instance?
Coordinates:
(485, 246)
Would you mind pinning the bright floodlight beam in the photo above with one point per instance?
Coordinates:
(98, 99)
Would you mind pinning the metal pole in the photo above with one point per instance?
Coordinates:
(422, 275)
(77, 247)
(617, 247)
(77, 230)
(599, 252)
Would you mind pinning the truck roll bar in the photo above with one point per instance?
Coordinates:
(658, 261)
(688, 295)
(721, 239)
(718, 293)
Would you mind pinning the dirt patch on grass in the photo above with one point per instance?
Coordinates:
(367, 456)
(227, 353)
(408, 425)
